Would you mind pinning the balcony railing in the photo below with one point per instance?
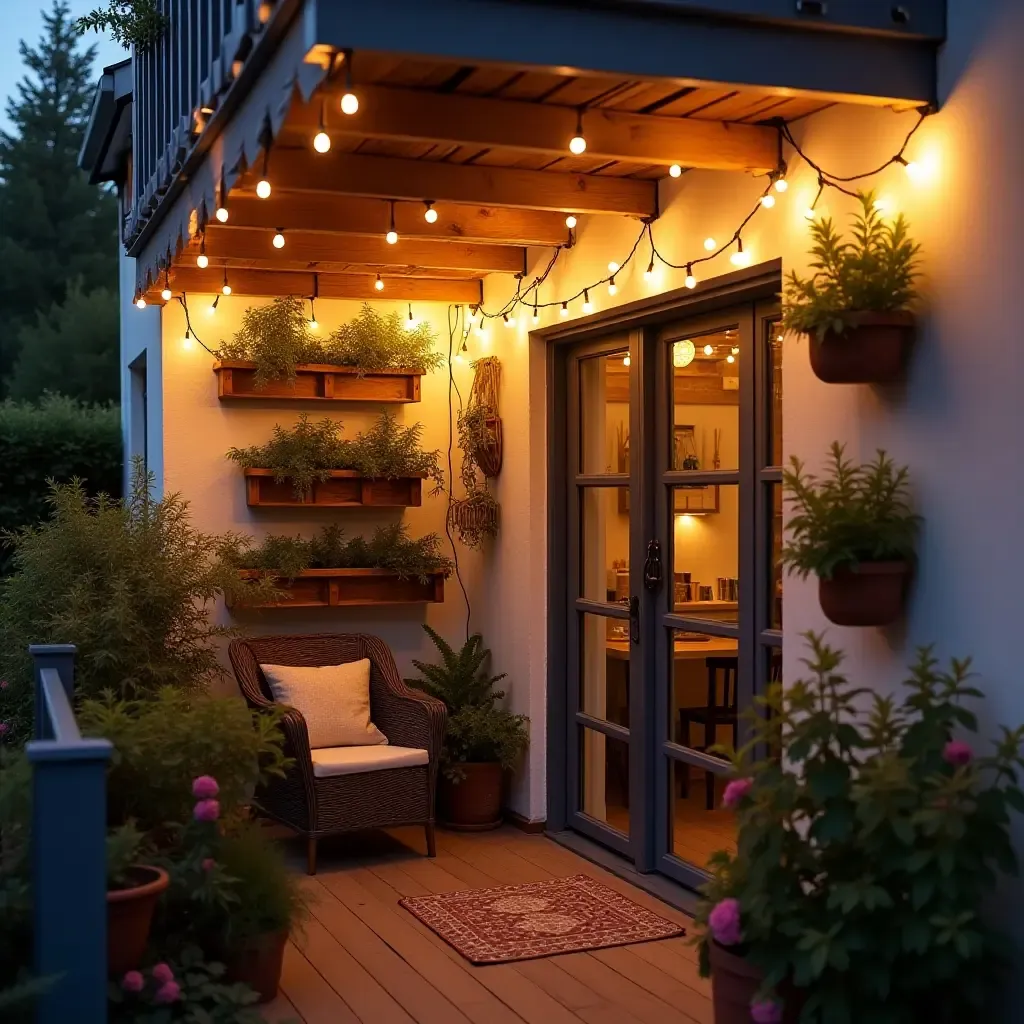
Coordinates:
(68, 861)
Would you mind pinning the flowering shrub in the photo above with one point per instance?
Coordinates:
(868, 840)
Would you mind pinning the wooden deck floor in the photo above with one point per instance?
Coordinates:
(364, 959)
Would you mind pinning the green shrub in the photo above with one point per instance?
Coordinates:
(58, 439)
(309, 451)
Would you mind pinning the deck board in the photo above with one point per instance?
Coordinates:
(362, 959)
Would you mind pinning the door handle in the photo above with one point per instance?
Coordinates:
(634, 619)
(653, 574)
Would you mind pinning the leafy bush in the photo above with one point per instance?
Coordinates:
(875, 272)
(308, 452)
(137, 23)
(130, 582)
(867, 845)
(854, 514)
(58, 439)
(390, 547)
(277, 338)
(477, 730)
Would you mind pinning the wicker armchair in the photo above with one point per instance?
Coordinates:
(316, 807)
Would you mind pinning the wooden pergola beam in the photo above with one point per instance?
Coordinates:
(411, 115)
(356, 215)
(226, 242)
(344, 173)
(273, 283)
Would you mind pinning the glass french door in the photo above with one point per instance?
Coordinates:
(673, 442)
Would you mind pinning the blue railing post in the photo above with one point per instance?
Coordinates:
(69, 870)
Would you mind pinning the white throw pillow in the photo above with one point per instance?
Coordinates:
(333, 699)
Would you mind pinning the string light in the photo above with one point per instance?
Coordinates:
(430, 214)
(767, 200)
(392, 236)
(279, 239)
(730, 358)
(536, 315)
(675, 170)
(626, 360)
(691, 281)
(809, 213)
(222, 214)
(735, 350)
(612, 286)
(263, 185)
(313, 325)
(140, 302)
(613, 267)
(472, 314)
(226, 288)
(649, 272)
(588, 306)
(378, 284)
(578, 144)
(570, 221)
(709, 350)
(740, 258)
(509, 322)
(212, 308)
(322, 141)
(202, 260)
(710, 244)
(564, 311)
(349, 101)
(165, 294)
(412, 323)
(781, 185)
(186, 342)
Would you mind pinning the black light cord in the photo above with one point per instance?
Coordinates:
(453, 330)
(183, 299)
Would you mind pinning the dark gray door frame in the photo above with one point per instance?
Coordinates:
(761, 282)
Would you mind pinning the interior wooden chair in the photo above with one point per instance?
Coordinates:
(347, 789)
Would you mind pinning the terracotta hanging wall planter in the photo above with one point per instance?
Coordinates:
(865, 594)
(873, 350)
(129, 917)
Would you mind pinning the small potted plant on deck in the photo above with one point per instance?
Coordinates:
(855, 530)
(855, 306)
(482, 740)
(869, 840)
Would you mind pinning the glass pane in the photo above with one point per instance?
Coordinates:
(604, 543)
(706, 401)
(699, 824)
(704, 695)
(604, 413)
(775, 574)
(604, 779)
(604, 668)
(705, 551)
(774, 384)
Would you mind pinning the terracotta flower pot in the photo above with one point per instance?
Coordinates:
(734, 983)
(472, 804)
(257, 963)
(873, 350)
(865, 594)
(129, 917)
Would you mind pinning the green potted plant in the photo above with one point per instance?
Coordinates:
(854, 528)
(870, 836)
(855, 305)
(482, 740)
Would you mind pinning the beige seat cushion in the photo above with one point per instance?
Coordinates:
(333, 699)
(353, 760)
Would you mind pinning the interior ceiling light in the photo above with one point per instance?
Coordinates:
(709, 350)
(683, 353)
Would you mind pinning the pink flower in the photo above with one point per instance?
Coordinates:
(956, 753)
(4, 728)
(724, 922)
(163, 973)
(736, 791)
(170, 992)
(3, 684)
(766, 1011)
(205, 787)
(209, 864)
(206, 810)
(133, 982)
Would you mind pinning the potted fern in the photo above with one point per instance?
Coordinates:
(855, 530)
(482, 740)
(855, 306)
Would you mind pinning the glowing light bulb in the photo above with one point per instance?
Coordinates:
(781, 185)
(709, 350)
(740, 258)
(768, 200)
(279, 240)
(350, 103)
(263, 188)
(412, 323)
(430, 214)
(186, 342)
(613, 267)
(691, 281)
(735, 350)
(570, 221)
(710, 244)
(510, 321)
(536, 317)
(612, 287)
(675, 170)
(564, 311)
(683, 353)
(222, 214)
(649, 272)
(140, 302)
(378, 284)
(226, 290)
(810, 213)
(588, 306)
(626, 360)
(202, 261)
(313, 325)
(915, 172)
(577, 145)
(391, 237)
(472, 315)
(730, 359)
(166, 294)
(322, 142)
(212, 307)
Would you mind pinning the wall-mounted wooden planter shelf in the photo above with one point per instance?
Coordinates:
(338, 588)
(319, 383)
(344, 489)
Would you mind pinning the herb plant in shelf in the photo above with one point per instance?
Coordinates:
(855, 305)
(854, 528)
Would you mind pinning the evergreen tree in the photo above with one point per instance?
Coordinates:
(55, 227)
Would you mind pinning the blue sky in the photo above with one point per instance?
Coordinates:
(22, 19)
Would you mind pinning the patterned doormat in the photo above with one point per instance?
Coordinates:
(523, 922)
